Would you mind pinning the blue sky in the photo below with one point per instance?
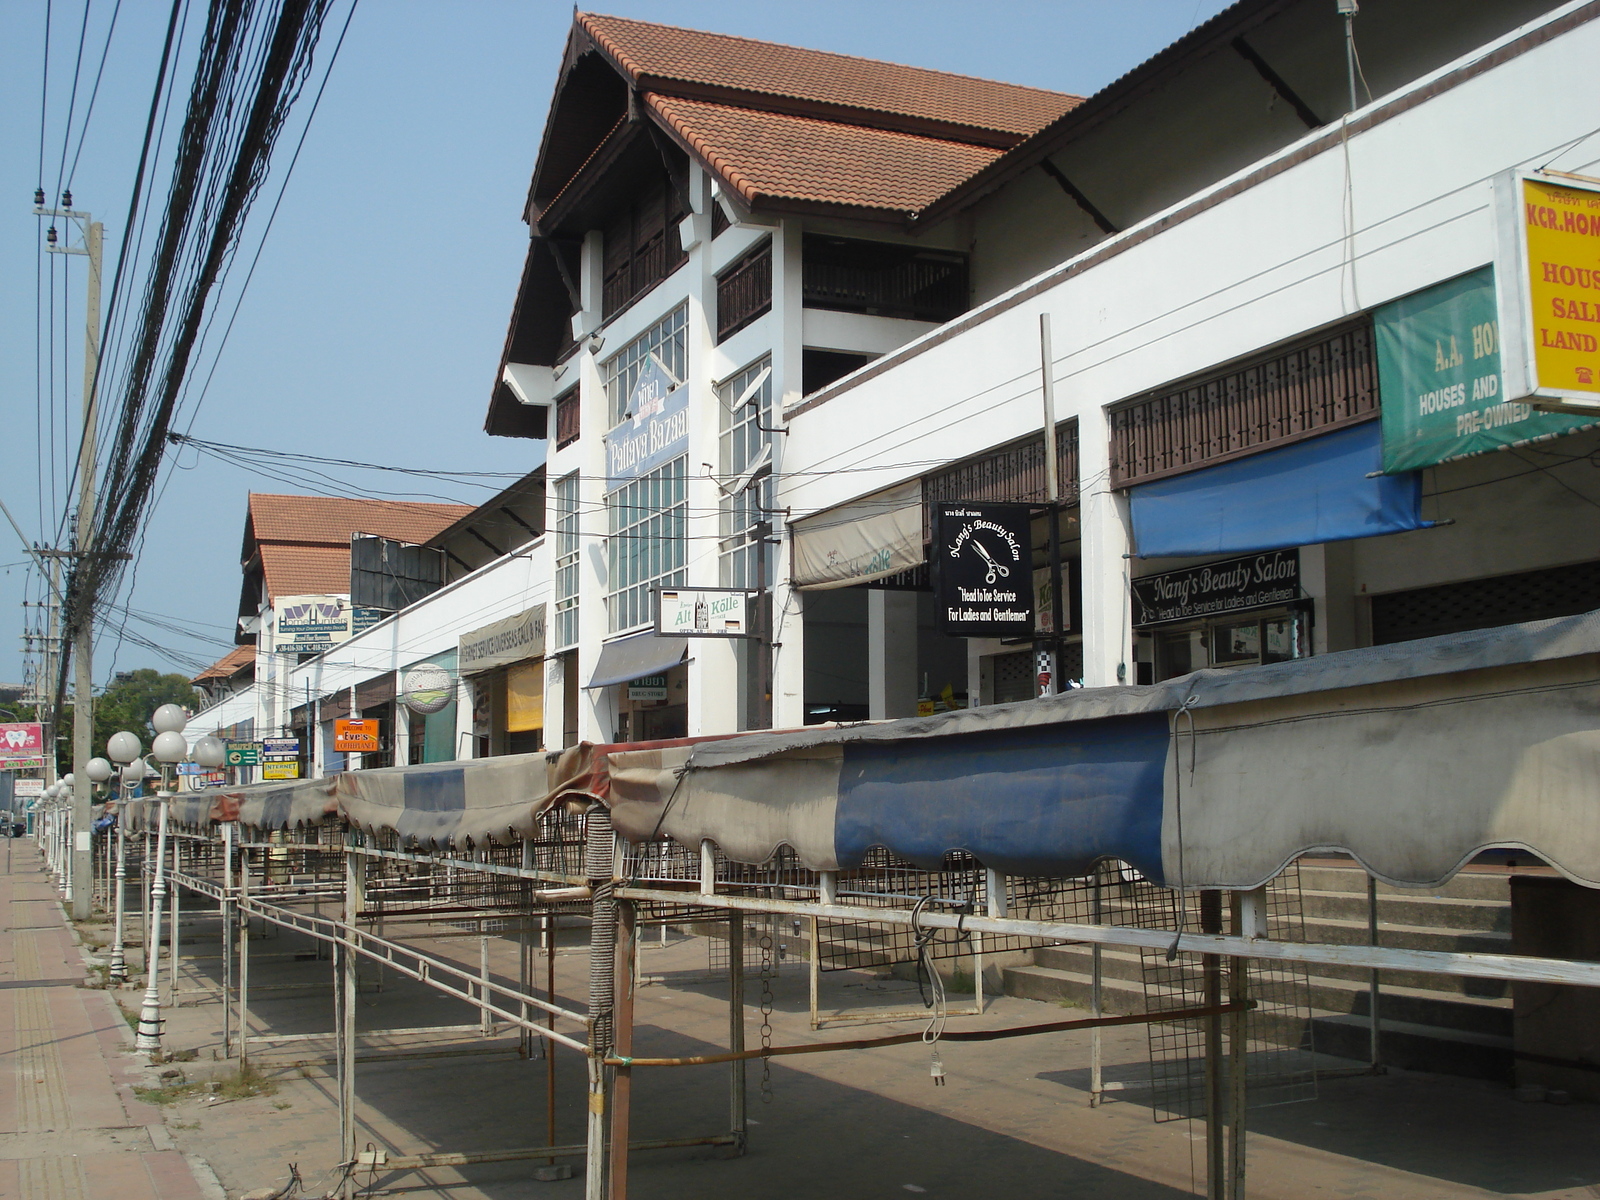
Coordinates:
(373, 324)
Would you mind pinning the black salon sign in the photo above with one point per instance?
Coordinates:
(983, 569)
(1255, 581)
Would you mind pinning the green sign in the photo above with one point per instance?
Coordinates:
(244, 754)
(1439, 378)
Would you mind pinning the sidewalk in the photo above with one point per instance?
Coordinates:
(70, 1126)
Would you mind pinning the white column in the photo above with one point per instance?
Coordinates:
(1107, 539)
(891, 654)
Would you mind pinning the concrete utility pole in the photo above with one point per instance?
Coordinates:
(83, 638)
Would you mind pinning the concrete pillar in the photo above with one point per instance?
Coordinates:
(891, 654)
(788, 349)
(1107, 538)
(1327, 575)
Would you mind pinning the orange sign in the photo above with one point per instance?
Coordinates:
(1561, 226)
(356, 736)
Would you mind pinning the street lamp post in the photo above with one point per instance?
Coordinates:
(123, 748)
(99, 772)
(168, 748)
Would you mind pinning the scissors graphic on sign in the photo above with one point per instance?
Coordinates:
(994, 567)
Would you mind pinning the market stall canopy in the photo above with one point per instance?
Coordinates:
(1413, 758)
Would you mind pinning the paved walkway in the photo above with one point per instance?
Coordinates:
(70, 1125)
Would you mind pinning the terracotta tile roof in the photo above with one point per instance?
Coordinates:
(229, 664)
(331, 521)
(771, 156)
(305, 570)
(649, 52)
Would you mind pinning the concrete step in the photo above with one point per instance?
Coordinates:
(1478, 916)
(1467, 885)
(1053, 984)
(1417, 1047)
(1353, 932)
(1415, 1006)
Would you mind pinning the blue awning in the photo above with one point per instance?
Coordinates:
(1311, 492)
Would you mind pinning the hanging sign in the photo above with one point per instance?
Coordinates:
(1255, 581)
(280, 747)
(427, 688)
(654, 431)
(1549, 252)
(1440, 381)
(649, 689)
(310, 624)
(244, 754)
(356, 735)
(983, 569)
(280, 770)
(702, 612)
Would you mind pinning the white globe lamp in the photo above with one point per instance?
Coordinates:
(98, 770)
(123, 747)
(210, 753)
(169, 718)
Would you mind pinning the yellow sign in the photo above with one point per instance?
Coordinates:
(280, 770)
(1562, 229)
(356, 735)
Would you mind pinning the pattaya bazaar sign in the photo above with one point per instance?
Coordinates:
(655, 432)
(1439, 375)
(1255, 581)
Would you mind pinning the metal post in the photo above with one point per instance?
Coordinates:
(599, 867)
(1053, 500)
(346, 985)
(230, 833)
(1238, 1058)
(814, 971)
(146, 879)
(1096, 996)
(148, 1037)
(737, 1124)
(1374, 1021)
(485, 1018)
(118, 973)
(1216, 1090)
(177, 907)
(622, 1077)
(550, 1021)
(244, 961)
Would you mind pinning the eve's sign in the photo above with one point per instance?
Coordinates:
(983, 569)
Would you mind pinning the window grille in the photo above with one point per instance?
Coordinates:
(1282, 397)
(1485, 603)
(666, 339)
(746, 562)
(566, 548)
(646, 547)
(744, 291)
(567, 410)
(1013, 473)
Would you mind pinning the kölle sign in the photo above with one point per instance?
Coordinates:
(983, 569)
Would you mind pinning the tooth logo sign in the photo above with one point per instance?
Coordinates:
(21, 738)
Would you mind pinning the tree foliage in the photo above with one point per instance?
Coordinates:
(126, 704)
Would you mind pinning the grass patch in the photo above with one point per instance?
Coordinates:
(240, 1085)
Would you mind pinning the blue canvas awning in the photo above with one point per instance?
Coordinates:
(1311, 492)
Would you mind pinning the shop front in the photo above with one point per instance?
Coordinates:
(1236, 612)
(503, 666)
(650, 682)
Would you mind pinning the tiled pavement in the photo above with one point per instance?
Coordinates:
(70, 1125)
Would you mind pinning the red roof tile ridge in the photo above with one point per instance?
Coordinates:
(591, 23)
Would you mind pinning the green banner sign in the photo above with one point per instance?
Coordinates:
(1439, 378)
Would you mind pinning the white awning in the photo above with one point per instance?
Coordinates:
(870, 538)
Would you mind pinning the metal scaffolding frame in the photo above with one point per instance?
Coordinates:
(364, 895)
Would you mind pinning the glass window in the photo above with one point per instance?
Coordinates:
(665, 339)
(646, 545)
(565, 498)
(746, 408)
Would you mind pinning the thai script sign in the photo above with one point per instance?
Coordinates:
(21, 746)
(1255, 581)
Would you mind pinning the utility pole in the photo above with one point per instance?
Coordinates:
(83, 635)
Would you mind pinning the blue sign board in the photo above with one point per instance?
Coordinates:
(655, 431)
